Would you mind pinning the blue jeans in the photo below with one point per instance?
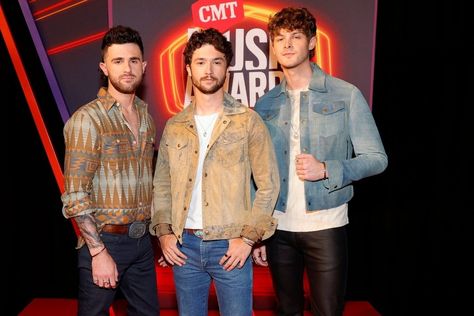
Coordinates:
(137, 277)
(193, 279)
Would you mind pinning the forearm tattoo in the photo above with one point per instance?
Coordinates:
(86, 224)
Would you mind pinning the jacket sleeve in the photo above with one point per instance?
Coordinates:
(369, 154)
(161, 220)
(265, 174)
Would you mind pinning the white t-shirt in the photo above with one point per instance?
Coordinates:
(296, 218)
(205, 125)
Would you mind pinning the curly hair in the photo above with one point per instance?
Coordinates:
(293, 19)
(209, 36)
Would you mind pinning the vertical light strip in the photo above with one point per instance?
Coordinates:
(33, 105)
(53, 84)
(110, 13)
(372, 64)
(31, 100)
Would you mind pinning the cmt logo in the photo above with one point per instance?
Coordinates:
(217, 14)
(254, 69)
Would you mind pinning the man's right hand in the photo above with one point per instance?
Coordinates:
(170, 250)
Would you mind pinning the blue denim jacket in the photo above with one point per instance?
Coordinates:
(336, 126)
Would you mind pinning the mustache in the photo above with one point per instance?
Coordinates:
(130, 75)
(208, 77)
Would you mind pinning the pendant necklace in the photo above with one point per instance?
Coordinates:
(204, 129)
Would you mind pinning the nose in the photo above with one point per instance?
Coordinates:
(208, 69)
(288, 43)
(127, 67)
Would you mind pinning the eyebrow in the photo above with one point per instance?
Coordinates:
(211, 59)
(123, 58)
(291, 33)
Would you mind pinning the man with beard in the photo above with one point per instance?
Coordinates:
(108, 184)
(203, 214)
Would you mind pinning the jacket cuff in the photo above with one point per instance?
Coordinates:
(257, 234)
(161, 229)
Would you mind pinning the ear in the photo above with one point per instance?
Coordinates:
(144, 63)
(188, 69)
(312, 43)
(103, 67)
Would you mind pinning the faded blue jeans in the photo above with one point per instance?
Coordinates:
(193, 279)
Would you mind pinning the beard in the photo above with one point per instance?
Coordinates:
(213, 89)
(125, 88)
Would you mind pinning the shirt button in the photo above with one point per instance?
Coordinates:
(206, 203)
(205, 174)
(190, 180)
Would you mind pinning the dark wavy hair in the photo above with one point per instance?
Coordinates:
(293, 19)
(121, 35)
(118, 35)
(209, 36)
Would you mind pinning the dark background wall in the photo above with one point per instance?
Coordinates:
(410, 231)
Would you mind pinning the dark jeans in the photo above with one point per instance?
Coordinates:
(324, 256)
(137, 277)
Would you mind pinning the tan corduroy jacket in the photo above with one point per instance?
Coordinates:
(240, 147)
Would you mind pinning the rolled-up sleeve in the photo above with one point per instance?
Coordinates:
(80, 164)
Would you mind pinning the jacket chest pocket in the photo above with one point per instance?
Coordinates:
(230, 148)
(330, 117)
(178, 153)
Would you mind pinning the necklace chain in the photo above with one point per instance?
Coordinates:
(204, 129)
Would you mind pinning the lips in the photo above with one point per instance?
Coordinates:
(128, 78)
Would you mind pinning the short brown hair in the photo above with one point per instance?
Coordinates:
(293, 19)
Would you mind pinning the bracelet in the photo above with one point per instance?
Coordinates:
(103, 248)
(248, 241)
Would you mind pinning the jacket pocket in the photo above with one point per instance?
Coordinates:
(177, 151)
(330, 117)
(230, 149)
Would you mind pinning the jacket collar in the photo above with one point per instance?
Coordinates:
(317, 83)
(231, 107)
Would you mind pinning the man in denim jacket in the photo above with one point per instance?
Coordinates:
(325, 138)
